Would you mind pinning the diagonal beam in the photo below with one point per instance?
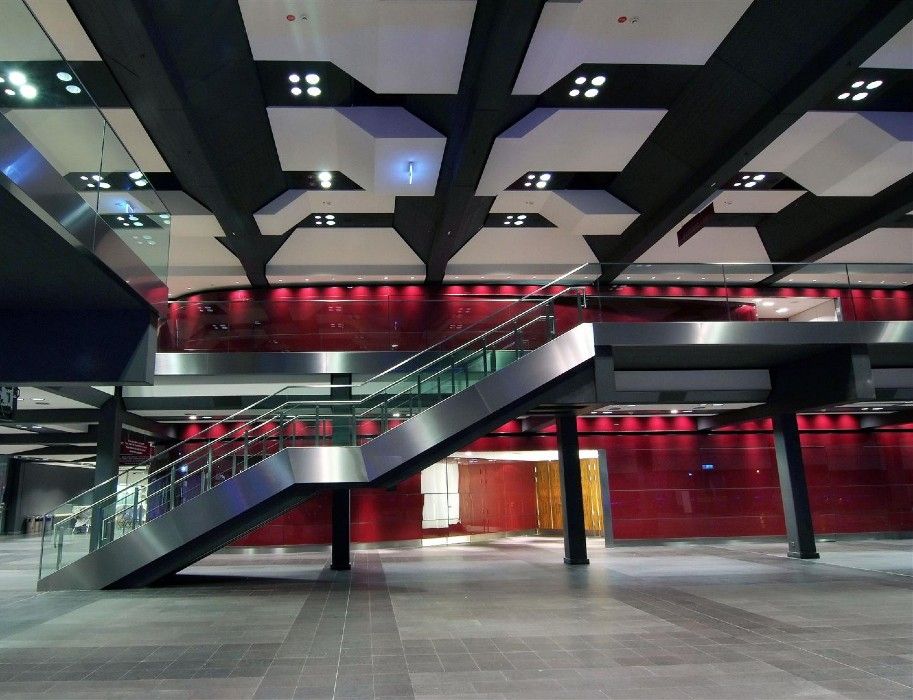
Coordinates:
(188, 72)
(437, 227)
(779, 61)
(812, 227)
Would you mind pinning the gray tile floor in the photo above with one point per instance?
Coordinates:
(501, 620)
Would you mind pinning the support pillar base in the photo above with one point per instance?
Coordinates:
(803, 555)
(576, 562)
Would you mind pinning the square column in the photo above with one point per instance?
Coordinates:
(793, 488)
(340, 559)
(571, 490)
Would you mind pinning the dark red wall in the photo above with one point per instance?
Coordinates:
(859, 481)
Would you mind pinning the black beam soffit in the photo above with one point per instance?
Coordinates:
(881, 420)
(779, 61)
(188, 73)
(89, 438)
(811, 226)
(79, 392)
(437, 227)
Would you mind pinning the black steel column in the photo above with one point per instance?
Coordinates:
(343, 435)
(571, 490)
(793, 488)
(606, 499)
(107, 458)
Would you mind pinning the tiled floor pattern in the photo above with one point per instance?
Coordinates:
(501, 620)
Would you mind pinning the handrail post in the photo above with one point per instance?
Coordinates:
(518, 339)
(550, 320)
(581, 304)
(171, 490)
(246, 449)
(135, 506)
(484, 360)
(58, 534)
(206, 481)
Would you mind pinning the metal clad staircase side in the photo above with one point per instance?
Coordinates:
(186, 533)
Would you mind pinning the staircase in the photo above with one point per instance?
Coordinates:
(199, 495)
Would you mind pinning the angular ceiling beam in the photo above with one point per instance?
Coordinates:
(437, 227)
(811, 227)
(780, 60)
(189, 75)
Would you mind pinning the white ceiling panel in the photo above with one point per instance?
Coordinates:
(197, 260)
(22, 38)
(135, 138)
(897, 53)
(392, 46)
(371, 145)
(883, 245)
(710, 245)
(754, 202)
(575, 140)
(504, 253)
(344, 254)
(655, 31)
(842, 153)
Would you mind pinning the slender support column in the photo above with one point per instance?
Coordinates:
(793, 488)
(107, 460)
(343, 434)
(606, 499)
(571, 490)
(341, 560)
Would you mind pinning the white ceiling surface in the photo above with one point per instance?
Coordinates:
(840, 153)
(391, 46)
(197, 260)
(344, 254)
(575, 140)
(574, 212)
(666, 32)
(897, 53)
(134, 136)
(61, 24)
(71, 139)
(883, 245)
(22, 38)
(724, 244)
(340, 139)
(754, 202)
(48, 400)
(295, 205)
(496, 253)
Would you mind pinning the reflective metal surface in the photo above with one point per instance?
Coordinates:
(277, 364)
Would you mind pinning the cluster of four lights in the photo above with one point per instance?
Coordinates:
(749, 181)
(863, 89)
(311, 79)
(581, 80)
(329, 219)
(541, 182)
(517, 220)
(19, 80)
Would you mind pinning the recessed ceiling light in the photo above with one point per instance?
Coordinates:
(120, 218)
(319, 222)
(522, 217)
(83, 177)
(782, 310)
(874, 84)
(90, 185)
(858, 84)
(9, 92)
(137, 223)
(326, 184)
(767, 303)
(574, 92)
(324, 176)
(313, 91)
(294, 78)
(758, 177)
(295, 91)
(518, 223)
(64, 76)
(749, 185)
(133, 218)
(74, 89)
(598, 80)
(509, 216)
(592, 92)
(580, 80)
(843, 95)
(312, 78)
(164, 216)
(104, 185)
(540, 184)
(737, 184)
(331, 223)
(545, 177)
(860, 96)
(141, 183)
(17, 77)
(29, 92)
(97, 178)
(526, 184)
(192, 417)
(674, 411)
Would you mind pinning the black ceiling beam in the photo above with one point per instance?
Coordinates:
(89, 438)
(437, 227)
(187, 70)
(811, 226)
(66, 416)
(780, 60)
